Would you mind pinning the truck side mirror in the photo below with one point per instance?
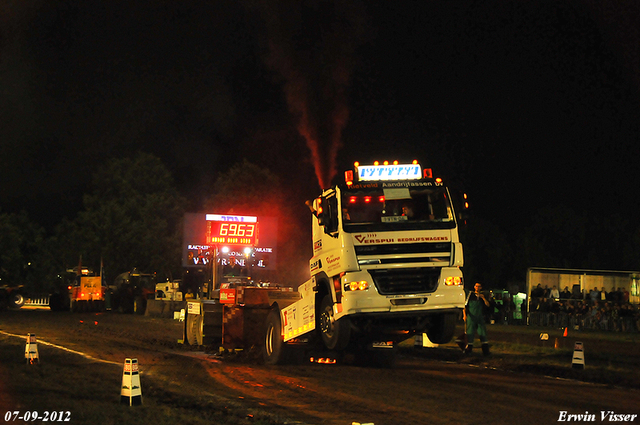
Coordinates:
(463, 207)
(327, 213)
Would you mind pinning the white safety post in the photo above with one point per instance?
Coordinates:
(31, 350)
(578, 356)
(131, 392)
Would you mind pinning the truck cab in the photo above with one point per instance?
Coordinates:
(86, 291)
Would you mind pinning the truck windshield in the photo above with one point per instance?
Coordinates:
(396, 209)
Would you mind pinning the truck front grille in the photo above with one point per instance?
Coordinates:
(408, 248)
(406, 280)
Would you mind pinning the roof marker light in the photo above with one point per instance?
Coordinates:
(348, 177)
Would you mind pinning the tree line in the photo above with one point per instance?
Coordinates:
(132, 217)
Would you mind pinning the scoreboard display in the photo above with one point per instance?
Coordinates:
(232, 229)
(202, 232)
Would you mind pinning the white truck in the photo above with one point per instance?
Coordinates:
(386, 266)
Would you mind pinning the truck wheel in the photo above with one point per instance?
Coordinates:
(139, 305)
(194, 329)
(274, 349)
(189, 330)
(335, 334)
(127, 304)
(55, 302)
(16, 300)
(442, 328)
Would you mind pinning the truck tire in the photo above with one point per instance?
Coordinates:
(274, 349)
(55, 302)
(442, 328)
(127, 304)
(194, 329)
(16, 300)
(335, 334)
(139, 305)
(189, 330)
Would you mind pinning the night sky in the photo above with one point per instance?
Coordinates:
(525, 104)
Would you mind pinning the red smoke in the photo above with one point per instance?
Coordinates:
(311, 44)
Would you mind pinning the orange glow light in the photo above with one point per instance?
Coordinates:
(381, 198)
(376, 163)
(356, 164)
(322, 360)
(385, 163)
(415, 162)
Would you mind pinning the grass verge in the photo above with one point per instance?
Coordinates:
(90, 392)
(610, 358)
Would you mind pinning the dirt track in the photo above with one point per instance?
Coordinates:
(420, 390)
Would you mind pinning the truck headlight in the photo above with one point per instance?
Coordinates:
(362, 285)
(453, 280)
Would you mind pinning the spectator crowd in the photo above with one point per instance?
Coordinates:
(595, 309)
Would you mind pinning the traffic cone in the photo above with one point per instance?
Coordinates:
(565, 332)
(131, 392)
(31, 350)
